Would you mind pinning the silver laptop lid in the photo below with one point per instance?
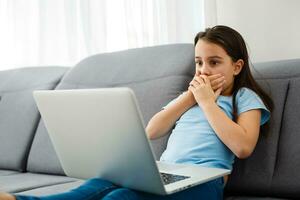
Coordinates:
(100, 133)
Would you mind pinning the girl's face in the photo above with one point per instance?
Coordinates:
(212, 59)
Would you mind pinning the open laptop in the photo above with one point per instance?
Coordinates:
(100, 133)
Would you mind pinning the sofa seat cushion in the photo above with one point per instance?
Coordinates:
(53, 189)
(27, 181)
(7, 172)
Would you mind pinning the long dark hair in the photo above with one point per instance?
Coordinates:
(234, 45)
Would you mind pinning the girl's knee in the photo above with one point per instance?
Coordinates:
(95, 186)
(97, 182)
(121, 194)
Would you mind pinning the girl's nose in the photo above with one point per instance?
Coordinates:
(205, 70)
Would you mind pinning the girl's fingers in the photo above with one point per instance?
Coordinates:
(199, 79)
(217, 83)
(195, 82)
(216, 80)
(214, 77)
(205, 79)
(218, 92)
(191, 88)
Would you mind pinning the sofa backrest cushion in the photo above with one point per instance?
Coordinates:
(286, 176)
(272, 168)
(18, 114)
(156, 74)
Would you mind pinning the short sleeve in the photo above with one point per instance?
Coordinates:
(249, 100)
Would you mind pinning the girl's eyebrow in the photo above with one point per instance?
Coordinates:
(218, 57)
(210, 57)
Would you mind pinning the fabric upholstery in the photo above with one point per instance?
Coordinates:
(27, 181)
(286, 177)
(7, 172)
(42, 157)
(19, 115)
(253, 176)
(53, 189)
(272, 169)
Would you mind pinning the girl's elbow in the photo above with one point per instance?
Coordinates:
(151, 133)
(243, 153)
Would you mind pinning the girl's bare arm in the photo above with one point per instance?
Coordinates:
(163, 121)
(241, 136)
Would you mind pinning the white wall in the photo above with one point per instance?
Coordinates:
(271, 28)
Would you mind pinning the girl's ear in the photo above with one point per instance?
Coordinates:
(238, 66)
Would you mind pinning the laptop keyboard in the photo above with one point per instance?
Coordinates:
(171, 178)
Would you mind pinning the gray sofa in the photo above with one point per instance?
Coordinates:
(29, 165)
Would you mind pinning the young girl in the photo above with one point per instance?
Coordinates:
(217, 118)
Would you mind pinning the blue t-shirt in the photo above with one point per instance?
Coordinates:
(194, 141)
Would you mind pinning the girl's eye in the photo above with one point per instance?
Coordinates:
(213, 62)
(198, 62)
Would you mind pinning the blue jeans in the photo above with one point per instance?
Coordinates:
(96, 189)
